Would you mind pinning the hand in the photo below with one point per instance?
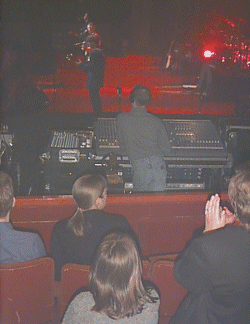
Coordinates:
(215, 216)
(78, 61)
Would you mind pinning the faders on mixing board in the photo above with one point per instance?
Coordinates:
(71, 139)
(106, 138)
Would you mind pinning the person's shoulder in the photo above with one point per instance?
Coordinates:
(61, 225)
(115, 217)
(151, 309)
(103, 215)
(82, 304)
(228, 232)
(26, 237)
(123, 117)
(98, 52)
(84, 298)
(156, 118)
(211, 238)
(116, 220)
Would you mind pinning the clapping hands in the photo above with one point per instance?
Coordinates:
(215, 216)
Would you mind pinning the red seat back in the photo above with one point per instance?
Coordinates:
(167, 234)
(74, 276)
(27, 292)
(171, 292)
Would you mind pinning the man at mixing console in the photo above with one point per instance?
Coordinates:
(143, 137)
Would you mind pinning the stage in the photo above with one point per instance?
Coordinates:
(171, 94)
(69, 110)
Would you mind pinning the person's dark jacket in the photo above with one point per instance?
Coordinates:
(66, 247)
(215, 269)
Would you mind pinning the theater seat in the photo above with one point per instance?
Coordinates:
(27, 292)
(171, 292)
(168, 235)
(74, 278)
(170, 257)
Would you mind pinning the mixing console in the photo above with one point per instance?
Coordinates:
(197, 134)
(195, 140)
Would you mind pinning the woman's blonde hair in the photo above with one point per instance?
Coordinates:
(85, 191)
(115, 277)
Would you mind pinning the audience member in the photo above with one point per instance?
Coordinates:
(16, 246)
(74, 240)
(117, 293)
(215, 267)
(143, 137)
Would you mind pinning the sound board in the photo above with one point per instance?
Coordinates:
(195, 142)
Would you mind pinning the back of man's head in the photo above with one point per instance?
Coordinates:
(140, 95)
(6, 194)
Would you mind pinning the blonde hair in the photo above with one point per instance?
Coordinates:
(85, 191)
(115, 277)
(239, 194)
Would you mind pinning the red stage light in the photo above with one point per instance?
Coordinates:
(208, 54)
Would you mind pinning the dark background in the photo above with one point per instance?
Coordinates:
(147, 25)
(34, 32)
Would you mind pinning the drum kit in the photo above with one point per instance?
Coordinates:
(223, 41)
(236, 49)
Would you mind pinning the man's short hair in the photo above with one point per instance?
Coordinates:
(141, 95)
(6, 194)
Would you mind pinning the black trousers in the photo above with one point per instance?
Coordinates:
(96, 101)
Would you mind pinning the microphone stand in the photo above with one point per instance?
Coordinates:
(119, 94)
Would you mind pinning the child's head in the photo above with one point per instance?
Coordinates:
(115, 277)
(90, 191)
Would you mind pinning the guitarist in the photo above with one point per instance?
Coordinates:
(85, 46)
(94, 68)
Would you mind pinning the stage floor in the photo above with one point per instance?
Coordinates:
(171, 94)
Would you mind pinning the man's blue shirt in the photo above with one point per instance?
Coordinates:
(18, 246)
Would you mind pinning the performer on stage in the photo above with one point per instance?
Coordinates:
(94, 68)
(90, 31)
